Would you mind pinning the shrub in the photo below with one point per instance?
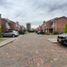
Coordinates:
(55, 33)
(65, 29)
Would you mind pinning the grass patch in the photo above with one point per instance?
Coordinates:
(1, 39)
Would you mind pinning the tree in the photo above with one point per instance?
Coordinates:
(65, 29)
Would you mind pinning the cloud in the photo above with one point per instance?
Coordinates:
(34, 11)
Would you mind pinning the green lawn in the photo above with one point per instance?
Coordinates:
(1, 39)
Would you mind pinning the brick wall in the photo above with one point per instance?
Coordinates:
(3, 25)
(60, 24)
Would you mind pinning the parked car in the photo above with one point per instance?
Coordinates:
(62, 38)
(40, 32)
(11, 33)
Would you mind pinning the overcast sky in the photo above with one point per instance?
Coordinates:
(34, 11)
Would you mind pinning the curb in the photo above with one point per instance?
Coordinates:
(7, 41)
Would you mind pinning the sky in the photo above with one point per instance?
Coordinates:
(33, 11)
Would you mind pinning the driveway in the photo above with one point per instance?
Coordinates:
(32, 50)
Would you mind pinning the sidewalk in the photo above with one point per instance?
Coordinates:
(53, 40)
(7, 41)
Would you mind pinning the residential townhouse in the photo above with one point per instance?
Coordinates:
(55, 25)
(47, 27)
(59, 24)
(4, 26)
(14, 25)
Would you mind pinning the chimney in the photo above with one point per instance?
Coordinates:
(17, 22)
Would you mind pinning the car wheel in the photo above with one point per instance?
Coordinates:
(13, 35)
(58, 40)
(65, 43)
(38, 33)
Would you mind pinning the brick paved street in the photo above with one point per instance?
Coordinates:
(32, 50)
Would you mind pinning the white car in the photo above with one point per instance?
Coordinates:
(10, 33)
(62, 38)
